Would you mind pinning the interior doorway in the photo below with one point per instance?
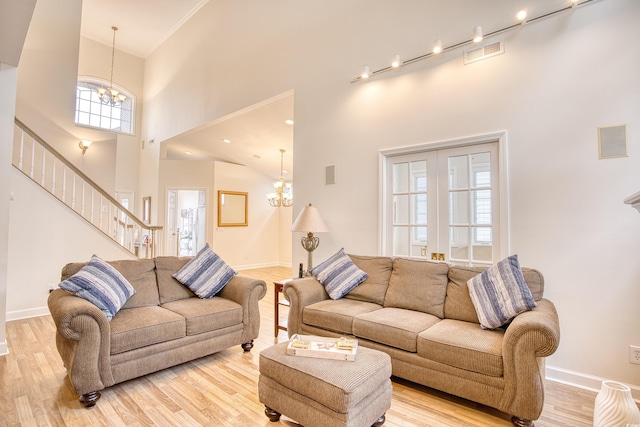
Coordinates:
(186, 221)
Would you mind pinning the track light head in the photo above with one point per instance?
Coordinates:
(437, 46)
(477, 34)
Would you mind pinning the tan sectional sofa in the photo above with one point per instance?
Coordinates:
(421, 314)
(162, 325)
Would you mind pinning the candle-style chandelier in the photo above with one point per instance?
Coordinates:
(283, 195)
(110, 95)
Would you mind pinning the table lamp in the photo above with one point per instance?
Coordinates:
(309, 221)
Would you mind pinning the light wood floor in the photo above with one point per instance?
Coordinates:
(219, 390)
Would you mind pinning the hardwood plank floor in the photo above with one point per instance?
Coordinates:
(221, 389)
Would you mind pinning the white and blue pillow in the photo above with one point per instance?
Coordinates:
(500, 293)
(101, 284)
(338, 274)
(205, 274)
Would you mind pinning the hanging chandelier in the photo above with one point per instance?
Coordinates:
(283, 195)
(110, 95)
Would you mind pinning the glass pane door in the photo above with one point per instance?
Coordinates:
(412, 180)
(444, 203)
(468, 180)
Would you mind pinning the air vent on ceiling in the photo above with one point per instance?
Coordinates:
(488, 50)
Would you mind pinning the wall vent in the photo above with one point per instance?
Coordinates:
(330, 174)
(483, 52)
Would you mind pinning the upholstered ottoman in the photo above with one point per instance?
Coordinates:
(323, 392)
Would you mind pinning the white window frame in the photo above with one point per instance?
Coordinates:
(103, 83)
(503, 177)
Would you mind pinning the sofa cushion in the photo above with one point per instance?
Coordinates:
(458, 303)
(374, 288)
(463, 345)
(336, 315)
(418, 285)
(169, 288)
(140, 273)
(500, 293)
(138, 327)
(338, 274)
(101, 284)
(395, 327)
(204, 315)
(205, 274)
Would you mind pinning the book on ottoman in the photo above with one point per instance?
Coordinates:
(342, 348)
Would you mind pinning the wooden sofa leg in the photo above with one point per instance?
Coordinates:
(89, 400)
(521, 422)
(379, 421)
(274, 416)
(247, 346)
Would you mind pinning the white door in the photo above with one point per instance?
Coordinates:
(469, 204)
(444, 205)
(172, 232)
(411, 210)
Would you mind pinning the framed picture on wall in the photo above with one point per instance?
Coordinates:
(233, 209)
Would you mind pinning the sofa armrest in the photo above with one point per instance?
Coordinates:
(247, 292)
(301, 293)
(83, 339)
(531, 336)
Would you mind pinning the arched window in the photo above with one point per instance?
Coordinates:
(90, 111)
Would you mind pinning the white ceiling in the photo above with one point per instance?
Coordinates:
(143, 25)
(257, 133)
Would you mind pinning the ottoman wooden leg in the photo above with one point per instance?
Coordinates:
(379, 421)
(273, 416)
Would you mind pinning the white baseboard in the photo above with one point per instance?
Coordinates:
(264, 265)
(584, 381)
(4, 348)
(25, 314)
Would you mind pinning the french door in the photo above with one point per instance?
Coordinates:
(444, 205)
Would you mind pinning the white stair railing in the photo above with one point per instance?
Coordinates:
(50, 170)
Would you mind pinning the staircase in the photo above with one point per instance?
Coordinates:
(57, 176)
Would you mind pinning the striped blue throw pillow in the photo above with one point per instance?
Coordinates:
(339, 275)
(102, 285)
(500, 293)
(205, 274)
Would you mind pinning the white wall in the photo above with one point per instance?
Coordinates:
(559, 80)
(95, 61)
(43, 238)
(258, 244)
(47, 74)
(8, 85)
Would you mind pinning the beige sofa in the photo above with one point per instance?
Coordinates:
(421, 314)
(162, 325)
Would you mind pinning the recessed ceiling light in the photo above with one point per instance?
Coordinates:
(285, 171)
(187, 152)
(289, 122)
(226, 141)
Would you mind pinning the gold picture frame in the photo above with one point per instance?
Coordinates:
(233, 209)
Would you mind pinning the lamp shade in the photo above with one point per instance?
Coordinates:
(309, 221)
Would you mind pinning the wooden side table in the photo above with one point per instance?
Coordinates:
(277, 302)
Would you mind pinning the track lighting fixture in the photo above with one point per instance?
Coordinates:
(437, 46)
(522, 16)
(477, 34)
